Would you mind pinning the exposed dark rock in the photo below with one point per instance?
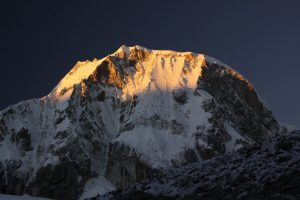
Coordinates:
(23, 140)
(251, 173)
(12, 165)
(12, 181)
(127, 127)
(61, 134)
(238, 102)
(101, 96)
(61, 118)
(1, 134)
(176, 127)
(124, 167)
(286, 145)
(190, 156)
(180, 95)
(205, 153)
(108, 73)
(62, 181)
(1, 168)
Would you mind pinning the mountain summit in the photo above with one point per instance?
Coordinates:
(130, 116)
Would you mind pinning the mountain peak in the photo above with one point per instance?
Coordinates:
(165, 67)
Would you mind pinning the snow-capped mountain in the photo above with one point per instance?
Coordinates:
(130, 116)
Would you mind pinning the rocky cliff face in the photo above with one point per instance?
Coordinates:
(129, 116)
(259, 171)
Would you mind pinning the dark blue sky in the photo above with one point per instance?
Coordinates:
(42, 40)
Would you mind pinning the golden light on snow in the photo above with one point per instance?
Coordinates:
(155, 70)
(79, 72)
(165, 72)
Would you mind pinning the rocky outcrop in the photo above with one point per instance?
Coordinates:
(265, 171)
(23, 140)
(13, 181)
(62, 181)
(124, 167)
(236, 99)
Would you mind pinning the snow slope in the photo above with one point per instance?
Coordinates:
(24, 197)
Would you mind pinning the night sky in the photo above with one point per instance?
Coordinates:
(42, 40)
